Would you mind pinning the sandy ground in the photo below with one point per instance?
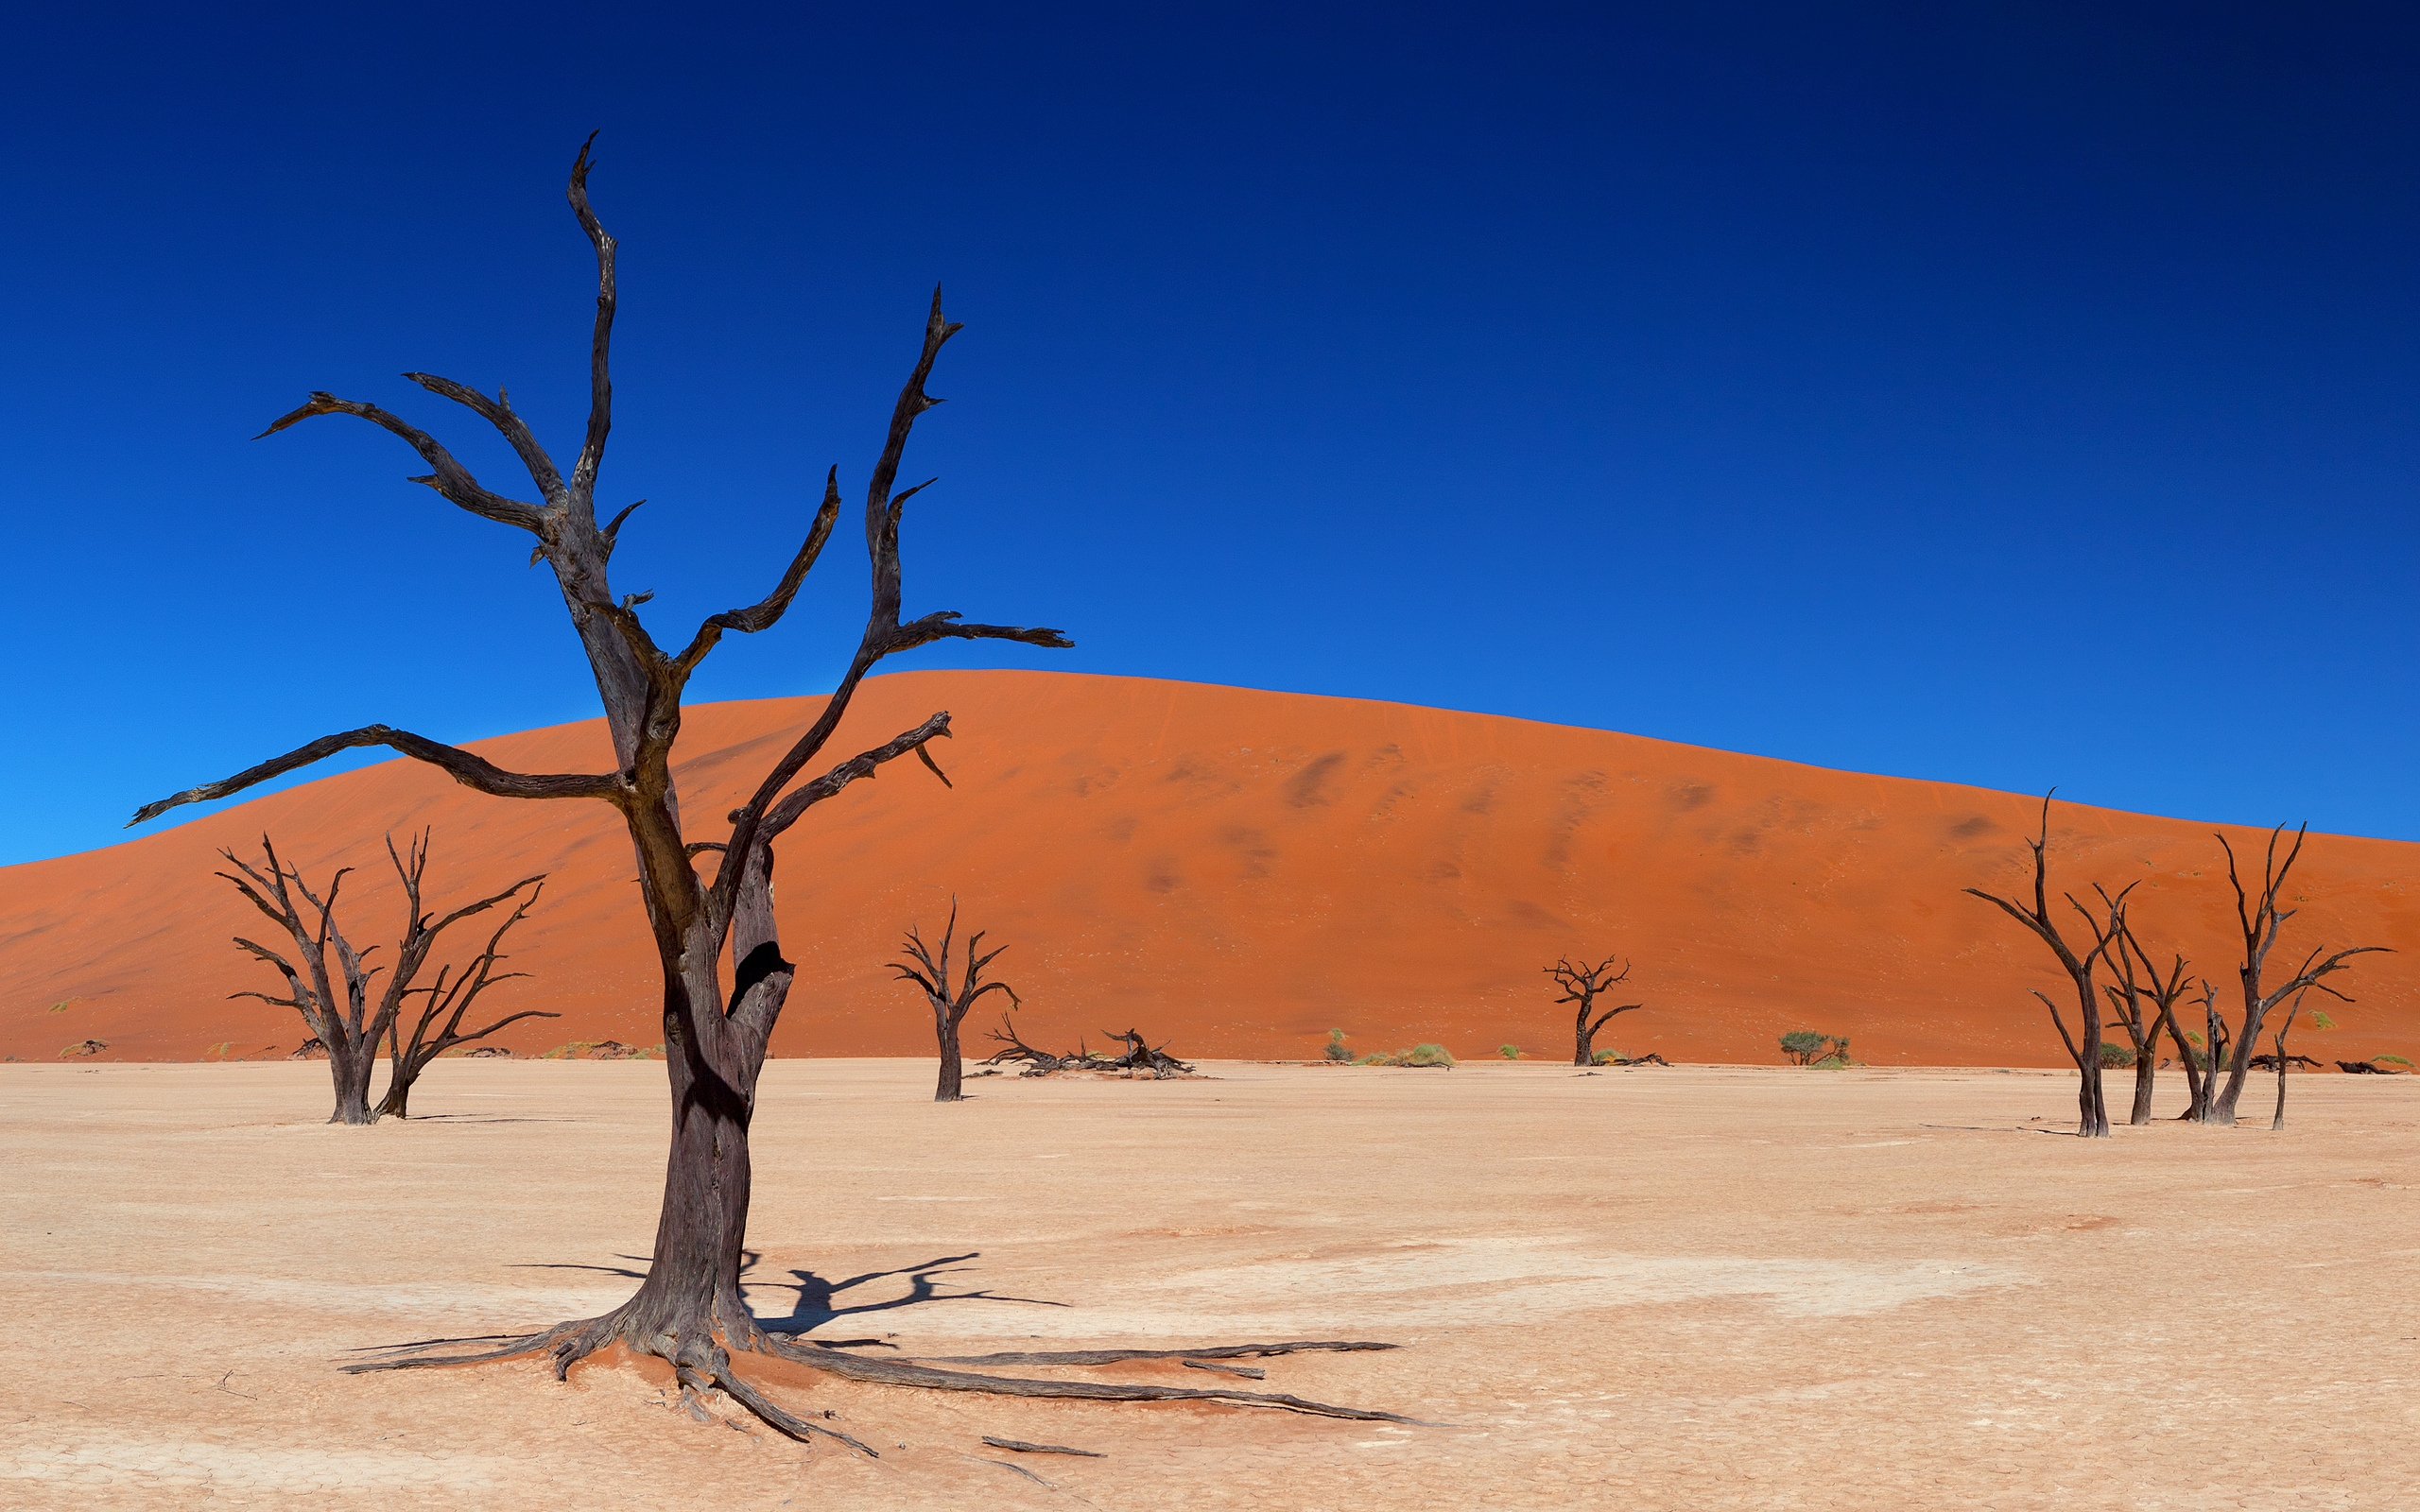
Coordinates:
(1702, 1287)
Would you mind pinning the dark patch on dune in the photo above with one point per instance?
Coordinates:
(1688, 797)
(1968, 828)
(1303, 789)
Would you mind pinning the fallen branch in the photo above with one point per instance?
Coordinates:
(1024, 1448)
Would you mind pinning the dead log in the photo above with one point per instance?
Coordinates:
(1024, 1448)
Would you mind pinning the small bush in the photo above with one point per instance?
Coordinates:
(1509, 1052)
(1335, 1050)
(1606, 1057)
(2117, 1057)
(1417, 1056)
(2395, 1060)
(1806, 1047)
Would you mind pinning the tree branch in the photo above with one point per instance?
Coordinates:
(471, 771)
(863, 765)
(452, 479)
(499, 413)
(764, 614)
(600, 381)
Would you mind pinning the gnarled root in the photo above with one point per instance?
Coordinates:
(701, 1362)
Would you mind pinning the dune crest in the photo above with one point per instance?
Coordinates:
(1234, 871)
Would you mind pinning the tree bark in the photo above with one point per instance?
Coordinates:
(953, 1064)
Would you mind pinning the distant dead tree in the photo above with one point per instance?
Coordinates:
(2144, 999)
(452, 995)
(1583, 983)
(2093, 1121)
(2259, 918)
(690, 1310)
(349, 1028)
(949, 1005)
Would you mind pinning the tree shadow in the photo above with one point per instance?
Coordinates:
(818, 1300)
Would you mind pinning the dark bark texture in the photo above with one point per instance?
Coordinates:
(690, 1310)
(1581, 984)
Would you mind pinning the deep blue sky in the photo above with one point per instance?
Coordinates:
(2011, 395)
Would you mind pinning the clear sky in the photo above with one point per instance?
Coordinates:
(2013, 395)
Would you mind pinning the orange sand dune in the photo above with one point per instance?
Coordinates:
(1233, 871)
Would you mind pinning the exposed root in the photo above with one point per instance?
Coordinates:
(1221, 1352)
(701, 1364)
(909, 1373)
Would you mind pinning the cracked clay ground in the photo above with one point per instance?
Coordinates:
(1690, 1288)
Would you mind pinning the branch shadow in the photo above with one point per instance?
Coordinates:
(818, 1297)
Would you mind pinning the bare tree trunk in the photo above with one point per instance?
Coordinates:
(350, 1066)
(953, 1065)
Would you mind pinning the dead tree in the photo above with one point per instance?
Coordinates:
(2128, 997)
(448, 1000)
(949, 1005)
(2093, 1121)
(1037, 1062)
(689, 1311)
(349, 1030)
(1141, 1056)
(2259, 918)
(1581, 984)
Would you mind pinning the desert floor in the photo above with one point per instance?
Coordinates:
(1698, 1287)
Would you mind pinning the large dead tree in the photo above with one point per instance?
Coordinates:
(2259, 918)
(1583, 983)
(690, 1310)
(351, 1028)
(931, 972)
(438, 1029)
(2093, 1111)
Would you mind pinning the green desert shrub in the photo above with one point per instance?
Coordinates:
(1606, 1057)
(1509, 1052)
(1423, 1055)
(2117, 1057)
(1804, 1047)
(2393, 1059)
(1335, 1050)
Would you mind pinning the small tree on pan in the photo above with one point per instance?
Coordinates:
(931, 972)
(2259, 918)
(2093, 1113)
(350, 1029)
(448, 1000)
(1581, 984)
